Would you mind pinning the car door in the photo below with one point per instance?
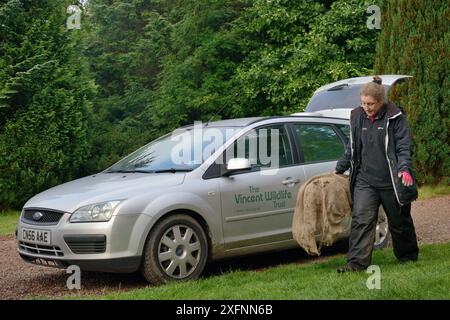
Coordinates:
(258, 204)
(320, 146)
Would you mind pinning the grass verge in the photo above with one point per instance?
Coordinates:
(8, 222)
(431, 191)
(426, 279)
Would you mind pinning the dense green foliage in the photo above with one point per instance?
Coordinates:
(72, 102)
(45, 100)
(164, 64)
(297, 46)
(415, 40)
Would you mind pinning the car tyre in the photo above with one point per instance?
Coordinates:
(176, 249)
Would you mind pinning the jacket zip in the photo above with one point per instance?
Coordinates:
(387, 157)
(351, 146)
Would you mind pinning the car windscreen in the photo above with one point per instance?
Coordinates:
(182, 150)
(338, 98)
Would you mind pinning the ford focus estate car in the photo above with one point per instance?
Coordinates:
(197, 194)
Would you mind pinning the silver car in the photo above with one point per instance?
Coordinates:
(203, 192)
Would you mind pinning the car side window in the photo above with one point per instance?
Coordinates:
(345, 130)
(257, 145)
(319, 142)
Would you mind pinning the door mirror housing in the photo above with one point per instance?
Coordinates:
(237, 164)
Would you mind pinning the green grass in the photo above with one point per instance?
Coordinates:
(431, 191)
(8, 222)
(426, 279)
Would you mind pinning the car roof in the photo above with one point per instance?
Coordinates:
(388, 79)
(243, 122)
(341, 113)
(238, 122)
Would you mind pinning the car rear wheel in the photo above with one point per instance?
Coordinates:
(176, 249)
(382, 230)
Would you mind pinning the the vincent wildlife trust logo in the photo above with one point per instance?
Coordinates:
(277, 197)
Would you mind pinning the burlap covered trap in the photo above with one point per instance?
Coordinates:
(322, 204)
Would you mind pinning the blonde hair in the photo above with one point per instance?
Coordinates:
(374, 89)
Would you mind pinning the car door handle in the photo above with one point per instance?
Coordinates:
(290, 181)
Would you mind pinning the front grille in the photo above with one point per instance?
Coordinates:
(86, 244)
(46, 217)
(40, 249)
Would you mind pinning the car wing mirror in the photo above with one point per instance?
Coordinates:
(236, 164)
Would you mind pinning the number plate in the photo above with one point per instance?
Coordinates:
(36, 236)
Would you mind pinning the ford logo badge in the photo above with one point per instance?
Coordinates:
(37, 215)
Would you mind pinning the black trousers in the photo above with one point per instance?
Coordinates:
(366, 201)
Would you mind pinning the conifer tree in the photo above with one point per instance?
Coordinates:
(44, 99)
(415, 40)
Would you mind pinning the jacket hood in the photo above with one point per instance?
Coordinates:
(102, 187)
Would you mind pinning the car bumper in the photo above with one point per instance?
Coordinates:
(113, 246)
(119, 265)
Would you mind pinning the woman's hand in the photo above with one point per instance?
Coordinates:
(407, 179)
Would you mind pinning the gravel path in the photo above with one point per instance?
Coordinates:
(19, 280)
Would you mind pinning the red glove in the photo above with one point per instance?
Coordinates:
(407, 180)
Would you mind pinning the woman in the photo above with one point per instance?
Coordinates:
(379, 154)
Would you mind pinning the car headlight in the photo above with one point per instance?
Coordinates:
(97, 212)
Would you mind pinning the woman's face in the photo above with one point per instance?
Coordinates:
(371, 105)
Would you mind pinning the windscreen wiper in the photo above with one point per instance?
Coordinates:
(129, 171)
(172, 170)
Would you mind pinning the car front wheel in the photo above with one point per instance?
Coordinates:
(176, 249)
